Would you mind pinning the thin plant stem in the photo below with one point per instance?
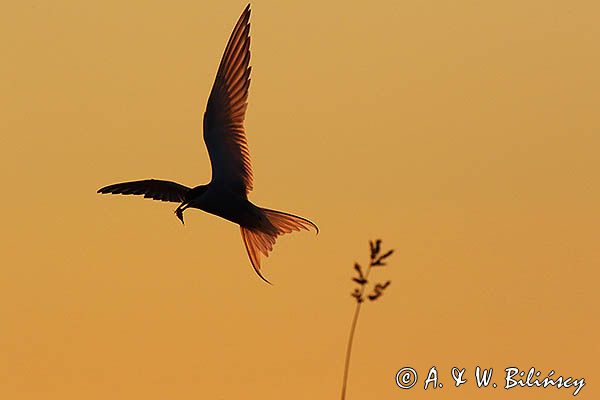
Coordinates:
(349, 349)
(351, 337)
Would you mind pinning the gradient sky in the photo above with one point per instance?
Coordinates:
(463, 133)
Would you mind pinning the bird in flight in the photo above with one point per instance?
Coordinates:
(226, 195)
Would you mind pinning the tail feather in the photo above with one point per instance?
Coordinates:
(286, 223)
(261, 240)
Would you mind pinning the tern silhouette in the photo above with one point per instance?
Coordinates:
(226, 195)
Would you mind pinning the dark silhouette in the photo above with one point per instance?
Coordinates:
(226, 195)
(362, 279)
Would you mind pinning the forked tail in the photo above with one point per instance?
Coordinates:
(261, 240)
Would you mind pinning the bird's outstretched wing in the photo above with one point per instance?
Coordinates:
(224, 133)
(151, 188)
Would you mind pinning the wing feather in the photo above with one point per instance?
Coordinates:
(224, 132)
(151, 189)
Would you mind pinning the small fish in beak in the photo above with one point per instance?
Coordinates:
(179, 213)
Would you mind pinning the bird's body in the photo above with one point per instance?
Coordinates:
(220, 201)
(226, 195)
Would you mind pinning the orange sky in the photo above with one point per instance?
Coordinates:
(464, 133)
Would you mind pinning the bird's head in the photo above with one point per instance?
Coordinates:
(190, 200)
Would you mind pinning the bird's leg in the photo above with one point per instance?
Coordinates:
(179, 212)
